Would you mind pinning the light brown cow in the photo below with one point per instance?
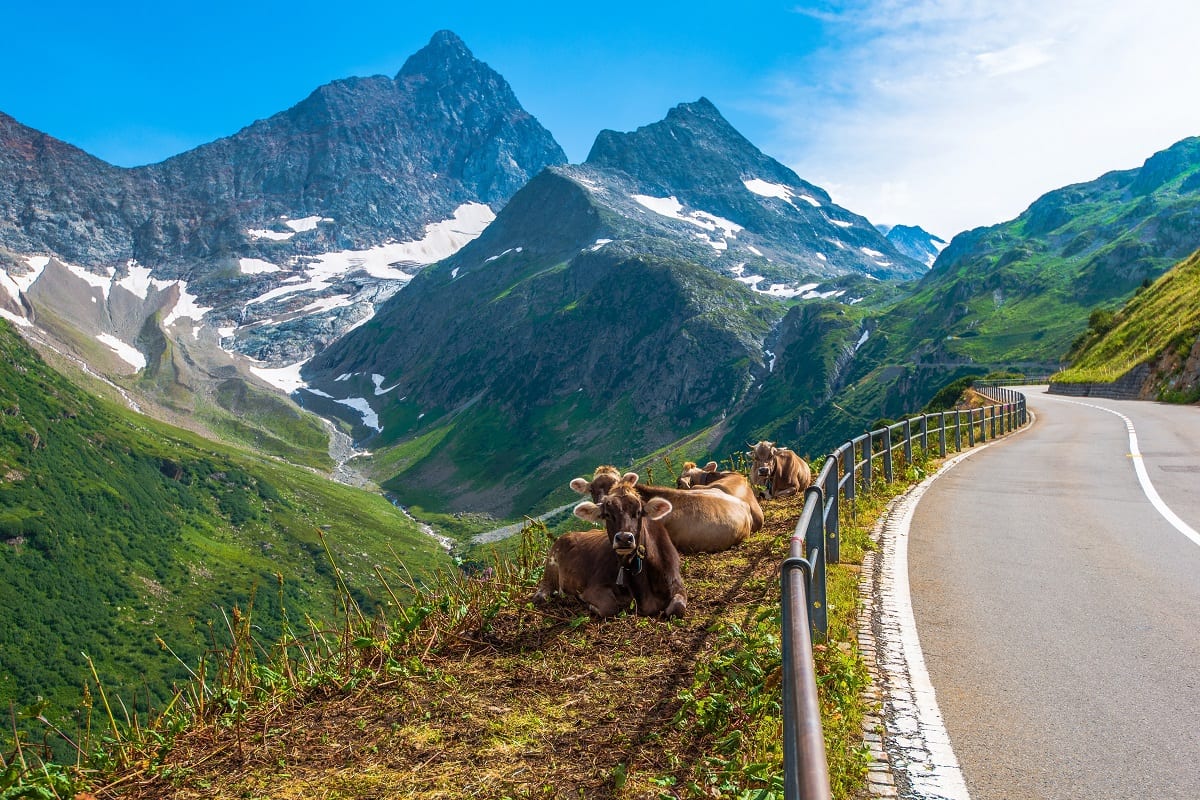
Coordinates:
(705, 520)
(733, 483)
(780, 470)
(631, 560)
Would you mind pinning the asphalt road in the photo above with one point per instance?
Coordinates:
(1059, 612)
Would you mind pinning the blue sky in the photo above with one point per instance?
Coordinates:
(944, 113)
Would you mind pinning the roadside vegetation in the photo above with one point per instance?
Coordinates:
(457, 685)
(1161, 323)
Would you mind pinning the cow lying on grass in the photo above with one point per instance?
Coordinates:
(779, 470)
(631, 560)
(704, 520)
(733, 483)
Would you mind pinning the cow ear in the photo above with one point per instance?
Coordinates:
(581, 486)
(657, 507)
(774, 450)
(710, 466)
(588, 510)
(630, 477)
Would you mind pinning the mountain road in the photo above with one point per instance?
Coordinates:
(1059, 609)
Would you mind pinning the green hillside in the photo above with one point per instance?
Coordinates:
(117, 531)
(1160, 325)
(1012, 297)
(1023, 290)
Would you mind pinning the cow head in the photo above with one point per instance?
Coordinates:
(693, 476)
(764, 461)
(622, 511)
(602, 482)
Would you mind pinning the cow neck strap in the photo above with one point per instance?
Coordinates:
(639, 554)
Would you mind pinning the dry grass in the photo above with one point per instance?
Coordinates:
(543, 702)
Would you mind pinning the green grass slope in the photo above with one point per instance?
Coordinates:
(1160, 325)
(117, 531)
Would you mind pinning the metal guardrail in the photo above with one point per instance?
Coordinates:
(850, 468)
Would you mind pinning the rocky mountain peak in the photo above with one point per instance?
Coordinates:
(694, 147)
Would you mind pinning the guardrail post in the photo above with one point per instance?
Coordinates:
(925, 434)
(850, 468)
(868, 446)
(942, 433)
(887, 453)
(970, 427)
(814, 550)
(907, 442)
(958, 431)
(833, 528)
(992, 413)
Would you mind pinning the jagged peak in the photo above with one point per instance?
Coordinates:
(444, 51)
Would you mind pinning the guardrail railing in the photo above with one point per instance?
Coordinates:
(854, 467)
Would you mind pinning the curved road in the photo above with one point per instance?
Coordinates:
(1059, 612)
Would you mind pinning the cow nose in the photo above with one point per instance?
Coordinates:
(763, 471)
(623, 541)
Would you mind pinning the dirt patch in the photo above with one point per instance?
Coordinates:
(544, 703)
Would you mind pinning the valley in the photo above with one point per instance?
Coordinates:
(281, 359)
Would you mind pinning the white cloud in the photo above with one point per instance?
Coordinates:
(956, 113)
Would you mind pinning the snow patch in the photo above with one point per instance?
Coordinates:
(274, 236)
(327, 304)
(599, 243)
(369, 417)
(101, 282)
(780, 191)
(866, 334)
(872, 253)
(671, 208)
(186, 308)
(130, 355)
(286, 378)
(256, 266)
(305, 223)
(442, 239)
(841, 223)
(822, 256)
(15, 284)
(502, 255)
(14, 319)
(378, 381)
(137, 280)
(454, 273)
(754, 250)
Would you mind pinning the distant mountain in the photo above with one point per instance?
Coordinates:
(914, 242)
(694, 168)
(258, 250)
(117, 531)
(1024, 289)
(611, 308)
(1015, 296)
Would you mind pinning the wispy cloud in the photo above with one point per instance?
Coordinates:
(958, 113)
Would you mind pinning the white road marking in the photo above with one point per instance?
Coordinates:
(1139, 467)
(914, 720)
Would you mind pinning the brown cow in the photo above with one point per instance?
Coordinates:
(705, 520)
(633, 559)
(733, 483)
(780, 470)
